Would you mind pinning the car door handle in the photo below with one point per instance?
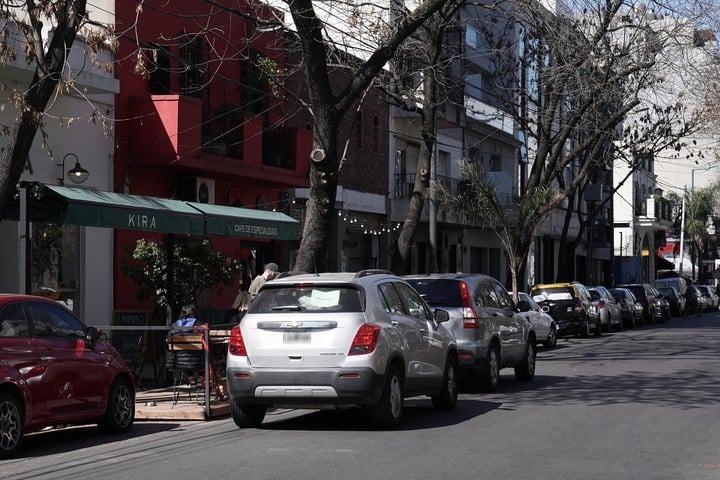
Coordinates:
(423, 330)
(394, 323)
(47, 359)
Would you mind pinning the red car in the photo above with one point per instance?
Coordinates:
(56, 371)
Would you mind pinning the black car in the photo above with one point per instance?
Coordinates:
(677, 301)
(647, 296)
(570, 305)
(630, 308)
(693, 300)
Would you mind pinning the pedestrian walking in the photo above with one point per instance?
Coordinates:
(270, 272)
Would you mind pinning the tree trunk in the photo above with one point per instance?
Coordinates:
(12, 161)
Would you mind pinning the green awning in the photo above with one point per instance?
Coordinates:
(131, 212)
(246, 222)
(80, 206)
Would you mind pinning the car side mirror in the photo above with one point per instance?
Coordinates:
(523, 305)
(441, 315)
(92, 335)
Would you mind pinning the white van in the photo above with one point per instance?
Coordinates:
(678, 282)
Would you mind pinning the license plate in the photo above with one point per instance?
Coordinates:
(296, 337)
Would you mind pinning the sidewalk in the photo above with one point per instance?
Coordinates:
(158, 404)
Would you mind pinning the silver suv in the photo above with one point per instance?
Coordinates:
(334, 340)
(486, 323)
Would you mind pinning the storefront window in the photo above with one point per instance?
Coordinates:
(55, 262)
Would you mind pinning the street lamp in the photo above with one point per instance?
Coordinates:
(77, 174)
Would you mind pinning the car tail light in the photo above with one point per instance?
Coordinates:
(470, 319)
(601, 304)
(579, 308)
(623, 304)
(365, 339)
(237, 344)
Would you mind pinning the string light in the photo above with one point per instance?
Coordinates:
(365, 228)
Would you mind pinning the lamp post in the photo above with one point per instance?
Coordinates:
(77, 174)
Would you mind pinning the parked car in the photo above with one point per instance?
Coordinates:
(665, 308)
(490, 333)
(694, 300)
(54, 371)
(647, 296)
(542, 322)
(334, 340)
(712, 301)
(570, 305)
(630, 308)
(608, 311)
(679, 283)
(676, 300)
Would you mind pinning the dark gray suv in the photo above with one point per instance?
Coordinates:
(490, 333)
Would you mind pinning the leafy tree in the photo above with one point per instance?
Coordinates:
(700, 208)
(584, 86)
(196, 268)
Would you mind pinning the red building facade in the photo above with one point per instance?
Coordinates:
(197, 120)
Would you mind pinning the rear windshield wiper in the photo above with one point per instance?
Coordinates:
(289, 308)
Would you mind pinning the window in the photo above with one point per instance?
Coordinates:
(13, 322)
(413, 302)
(475, 39)
(55, 262)
(310, 298)
(254, 85)
(160, 70)
(485, 296)
(192, 63)
(474, 85)
(51, 321)
(502, 296)
(391, 299)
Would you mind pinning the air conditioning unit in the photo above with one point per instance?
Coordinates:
(205, 190)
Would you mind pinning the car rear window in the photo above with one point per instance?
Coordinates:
(558, 293)
(619, 293)
(307, 298)
(438, 292)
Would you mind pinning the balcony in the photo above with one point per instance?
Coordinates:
(405, 184)
(171, 130)
(655, 212)
(491, 116)
(86, 78)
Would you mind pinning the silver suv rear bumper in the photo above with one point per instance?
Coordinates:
(324, 387)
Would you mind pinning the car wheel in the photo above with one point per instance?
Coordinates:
(620, 325)
(11, 425)
(598, 328)
(389, 410)
(551, 341)
(247, 416)
(449, 393)
(491, 374)
(120, 411)
(586, 329)
(526, 370)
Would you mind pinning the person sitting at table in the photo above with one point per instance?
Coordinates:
(187, 320)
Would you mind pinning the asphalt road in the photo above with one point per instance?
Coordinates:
(640, 404)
